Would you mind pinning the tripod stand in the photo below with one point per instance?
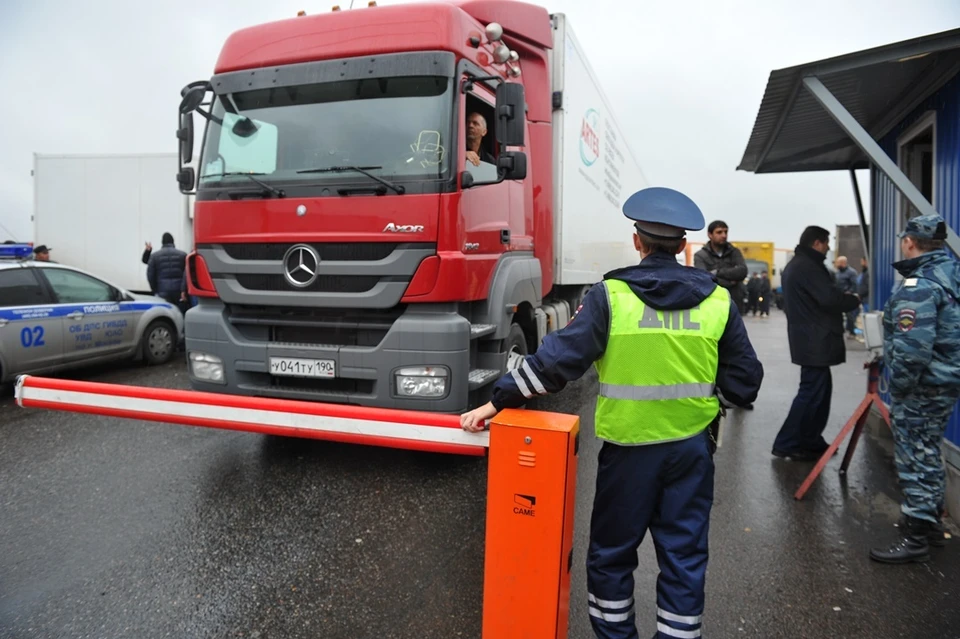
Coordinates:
(855, 423)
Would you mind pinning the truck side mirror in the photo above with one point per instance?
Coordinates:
(512, 165)
(185, 135)
(193, 95)
(186, 177)
(511, 114)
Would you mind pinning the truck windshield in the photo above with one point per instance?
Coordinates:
(400, 126)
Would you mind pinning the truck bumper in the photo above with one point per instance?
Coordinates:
(426, 335)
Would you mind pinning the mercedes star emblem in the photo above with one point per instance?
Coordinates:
(301, 210)
(300, 265)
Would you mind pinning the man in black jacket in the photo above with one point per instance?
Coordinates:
(165, 271)
(753, 294)
(814, 307)
(765, 295)
(723, 261)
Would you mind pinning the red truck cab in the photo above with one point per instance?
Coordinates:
(346, 248)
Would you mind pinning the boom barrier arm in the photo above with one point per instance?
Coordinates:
(409, 430)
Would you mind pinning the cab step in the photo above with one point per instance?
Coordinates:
(480, 377)
(481, 330)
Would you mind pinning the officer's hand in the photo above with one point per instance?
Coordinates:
(474, 421)
(148, 246)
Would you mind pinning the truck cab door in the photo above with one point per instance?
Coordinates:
(485, 205)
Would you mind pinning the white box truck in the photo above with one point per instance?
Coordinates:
(96, 211)
(595, 170)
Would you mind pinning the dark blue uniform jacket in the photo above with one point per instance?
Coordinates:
(660, 282)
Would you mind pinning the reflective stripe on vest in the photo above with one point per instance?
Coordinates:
(658, 373)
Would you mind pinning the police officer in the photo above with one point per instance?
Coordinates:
(921, 350)
(666, 341)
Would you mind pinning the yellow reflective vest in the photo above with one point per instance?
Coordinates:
(659, 369)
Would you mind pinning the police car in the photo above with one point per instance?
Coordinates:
(54, 317)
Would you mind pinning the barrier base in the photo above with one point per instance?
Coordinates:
(854, 424)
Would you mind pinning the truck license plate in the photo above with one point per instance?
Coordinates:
(295, 367)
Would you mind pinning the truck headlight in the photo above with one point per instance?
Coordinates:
(207, 367)
(422, 381)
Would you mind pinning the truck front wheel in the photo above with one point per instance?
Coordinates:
(516, 347)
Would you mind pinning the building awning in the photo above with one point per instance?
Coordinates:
(878, 87)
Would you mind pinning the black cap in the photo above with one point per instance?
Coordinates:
(42, 248)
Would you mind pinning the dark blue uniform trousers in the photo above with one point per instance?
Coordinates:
(668, 489)
(807, 419)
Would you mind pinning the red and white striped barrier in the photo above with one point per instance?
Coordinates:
(349, 424)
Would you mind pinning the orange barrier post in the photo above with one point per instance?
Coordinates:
(531, 487)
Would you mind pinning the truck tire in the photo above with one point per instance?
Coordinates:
(158, 344)
(516, 347)
(575, 298)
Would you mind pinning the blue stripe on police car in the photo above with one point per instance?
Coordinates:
(62, 310)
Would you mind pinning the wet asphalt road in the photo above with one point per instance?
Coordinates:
(116, 528)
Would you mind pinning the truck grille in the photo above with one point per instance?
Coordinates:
(334, 252)
(327, 327)
(323, 284)
(368, 275)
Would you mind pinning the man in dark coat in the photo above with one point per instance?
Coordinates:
(753, 294)
(723, 261)
(165, 271)
(814, 307)
(765, 293)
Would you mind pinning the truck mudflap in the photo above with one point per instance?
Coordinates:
(388, 428)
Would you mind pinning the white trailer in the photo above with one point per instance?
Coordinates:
(96, 211)
(595, 170)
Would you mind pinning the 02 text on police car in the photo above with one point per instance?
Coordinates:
(295, 367)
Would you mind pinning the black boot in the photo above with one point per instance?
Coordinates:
(912, 545)
(935, 533)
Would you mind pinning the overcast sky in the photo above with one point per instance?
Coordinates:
(685, 80)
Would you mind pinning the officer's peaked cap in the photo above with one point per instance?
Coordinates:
(663, 213)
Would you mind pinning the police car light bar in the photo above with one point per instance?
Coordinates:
(15, 251)
(348, 424)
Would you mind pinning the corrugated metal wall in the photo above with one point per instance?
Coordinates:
(884, 243)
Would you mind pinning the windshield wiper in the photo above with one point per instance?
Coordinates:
(359, 169)
(270, 189)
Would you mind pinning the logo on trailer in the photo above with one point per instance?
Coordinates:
(300, 265)
(590, 137)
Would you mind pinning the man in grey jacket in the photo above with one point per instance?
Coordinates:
(846, 279)
(724, 261)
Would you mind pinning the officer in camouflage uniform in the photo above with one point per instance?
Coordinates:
(921, 325)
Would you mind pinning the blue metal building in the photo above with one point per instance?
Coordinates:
(894, 110)
(936, 119)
